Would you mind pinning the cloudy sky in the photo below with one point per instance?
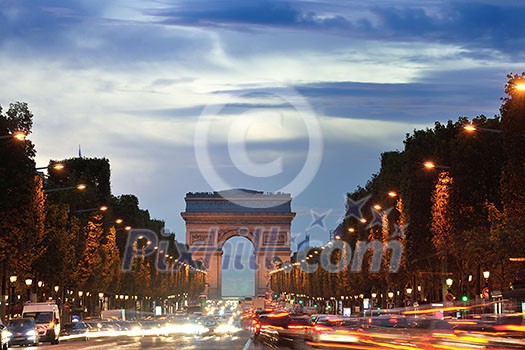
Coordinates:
(201, 95)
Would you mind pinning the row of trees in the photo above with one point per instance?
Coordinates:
(464, 215)
(54, 233)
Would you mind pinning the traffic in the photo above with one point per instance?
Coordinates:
(266, 323)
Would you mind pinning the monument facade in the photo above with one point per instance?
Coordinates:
(214, 217)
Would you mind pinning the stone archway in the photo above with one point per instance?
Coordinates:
(263, 218)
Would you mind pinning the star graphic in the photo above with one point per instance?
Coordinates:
(377, 217)
(318, 219)
(399, 231)
(353, 208)
(293, 237)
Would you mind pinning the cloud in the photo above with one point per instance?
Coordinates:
(480, 24)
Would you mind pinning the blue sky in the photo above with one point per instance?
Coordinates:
(133, 80)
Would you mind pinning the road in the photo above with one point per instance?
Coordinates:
(239, 341)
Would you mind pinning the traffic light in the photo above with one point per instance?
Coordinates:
(275, 296)
(300, 302)
(464, 298)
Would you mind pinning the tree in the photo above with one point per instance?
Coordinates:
(60, 258)
(21, 195)
(513, 172)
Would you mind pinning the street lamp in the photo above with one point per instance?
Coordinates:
(474, 128)
(101, 299)
(409, 290)
(432, 165)
(20, 136)
(40, 284)
(79, 187)
(449, 282)
(57, 166)
(486, 274)
(102, 208)
(28, 282)
(12, 279)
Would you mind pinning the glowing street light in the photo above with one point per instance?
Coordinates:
(520, 86)
(20, 136)
(449, 282)
(432, 165)
(351, 229)
(472, 128)
(119, 221)
(79, 187)
(56, 166)
(377, 207)
(102, 208)
(392, 194)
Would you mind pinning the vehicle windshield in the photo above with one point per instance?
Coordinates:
(21, 323)
(40, 317)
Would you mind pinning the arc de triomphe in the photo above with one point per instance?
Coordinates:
(214, 217)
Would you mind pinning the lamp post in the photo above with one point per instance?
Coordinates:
(101, 300)
(40, 284)
(486, 276)
(409, 291)
(12, 279)
(28, 282)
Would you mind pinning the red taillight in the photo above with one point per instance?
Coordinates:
(257, 325)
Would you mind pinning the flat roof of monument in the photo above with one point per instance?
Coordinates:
(238, 194)
(238, 200)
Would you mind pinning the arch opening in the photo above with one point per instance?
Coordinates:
(238, 267)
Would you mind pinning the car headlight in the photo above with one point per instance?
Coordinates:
(8, 334)
(31, 333)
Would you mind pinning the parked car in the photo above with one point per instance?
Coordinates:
(23, 331)
(5, 337)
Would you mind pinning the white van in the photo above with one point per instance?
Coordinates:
(47, 320)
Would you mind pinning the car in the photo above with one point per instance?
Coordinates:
(276, 328)
(333, 328)
(23, 331)
(5, 337)
(210, 323)
(74, 330)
